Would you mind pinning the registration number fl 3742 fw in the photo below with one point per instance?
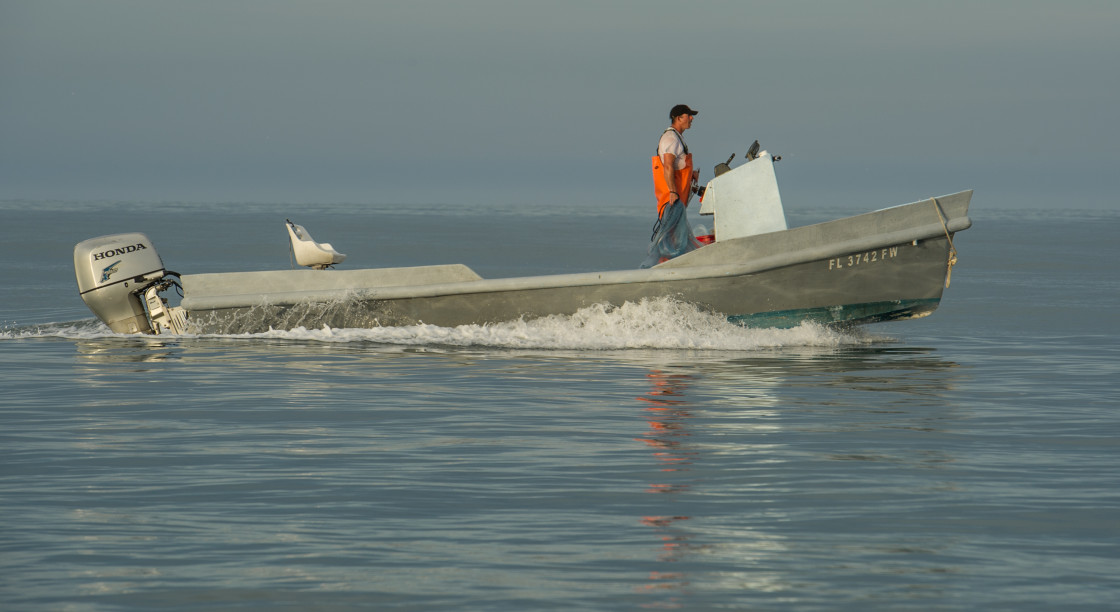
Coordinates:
(862, 259)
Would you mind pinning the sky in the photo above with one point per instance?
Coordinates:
(870, 103)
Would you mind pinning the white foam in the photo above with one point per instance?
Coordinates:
(650, 324)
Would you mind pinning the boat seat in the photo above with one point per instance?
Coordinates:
(315, 255)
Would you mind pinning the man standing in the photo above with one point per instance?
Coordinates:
(672, 168)
(673, 178)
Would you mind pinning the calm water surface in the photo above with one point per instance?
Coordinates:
(644, 457)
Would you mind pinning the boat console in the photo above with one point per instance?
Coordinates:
(745, 200)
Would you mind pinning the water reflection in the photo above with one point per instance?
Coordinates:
(666, 414)
(303, 369)
(666, 410)
(766, 430)
(746, 462)
(126, 349)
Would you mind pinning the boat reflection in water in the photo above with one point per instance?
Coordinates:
(741, 449)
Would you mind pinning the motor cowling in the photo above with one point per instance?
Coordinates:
(112, 272)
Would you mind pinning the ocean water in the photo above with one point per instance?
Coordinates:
(642, 457)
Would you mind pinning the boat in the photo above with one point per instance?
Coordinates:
(889, 264)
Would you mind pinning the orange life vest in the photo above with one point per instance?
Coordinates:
(682, 179)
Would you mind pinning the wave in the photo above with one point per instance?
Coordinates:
(649, 324)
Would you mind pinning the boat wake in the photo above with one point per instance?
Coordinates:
(650, 324)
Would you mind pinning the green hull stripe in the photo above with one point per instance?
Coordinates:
(848, 314)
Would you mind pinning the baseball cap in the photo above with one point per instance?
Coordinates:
(681, 109)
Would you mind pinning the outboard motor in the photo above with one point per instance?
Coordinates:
(119, 279)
